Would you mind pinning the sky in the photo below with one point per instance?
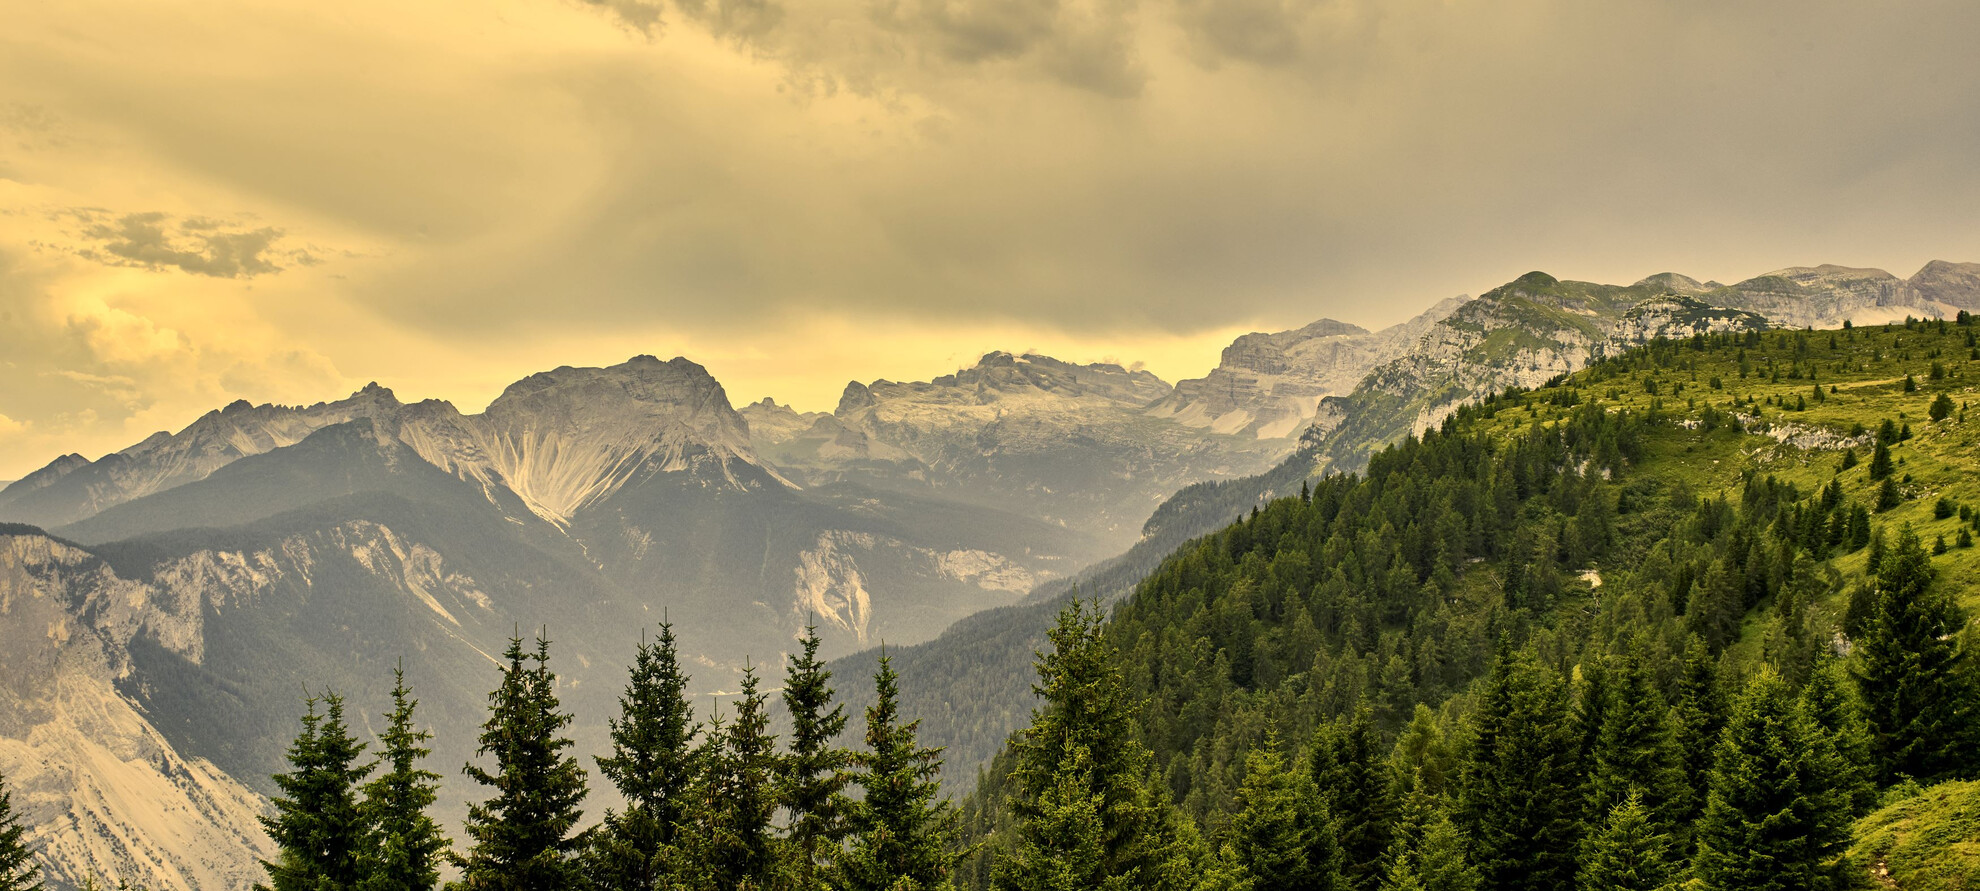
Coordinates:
(216, 199)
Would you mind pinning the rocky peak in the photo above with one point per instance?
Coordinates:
(1677, 283)
(1272, 386)
(46, 476)
(1953, 284)
(770, 423)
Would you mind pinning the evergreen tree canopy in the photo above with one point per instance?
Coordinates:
(1282, 832)
(524, 836)
(1522, 785)
(902, 832)
(1919, 703)
(1080, 784)
(319, 828)
(1634, 753)
(406, 845)
(1776, 817)
(1355, 789)
(18, 871)
(1628, 852)
(814, 774)
(739, 797)
(653, 766)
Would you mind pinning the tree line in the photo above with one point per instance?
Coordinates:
(707, 805)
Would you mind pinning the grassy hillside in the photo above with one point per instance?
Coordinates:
(1929, 841)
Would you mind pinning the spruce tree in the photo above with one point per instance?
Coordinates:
(1634, 753)
(1629, 852)
(1080, 785)
(739, 846)
(1063, 842)
(523, 837)
(1522, 785)
(814, 775)
(1881, 465)
(406, 844)
(18, 871)
(1355, 786)
(320, 829)
(1918, 701)
(902, 832)
(653, 766)
(1697, 713)
(1775, 818)
(1837, 708)
(1441, 861)
(1282, 832)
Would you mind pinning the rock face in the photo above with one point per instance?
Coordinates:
(1826, 296)
(100, 788)
(1072, 445)
(1521, 334)
(1270, 385)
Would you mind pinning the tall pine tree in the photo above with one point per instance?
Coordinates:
(406, 845)
(738, 847)
(1522, 786)
(813, 775)
(1634, 752)
(1080, 783)
(1919, 704)
(1775, 818)
(319, 828)
(1282, 832)
(654, 768)
(1354, 784)
(902, 832)
(18, 871)
(524, 836)
(1629, 852)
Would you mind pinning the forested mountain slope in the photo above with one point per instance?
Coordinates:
(1616, 615)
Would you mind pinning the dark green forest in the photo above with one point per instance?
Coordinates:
(1694, 617)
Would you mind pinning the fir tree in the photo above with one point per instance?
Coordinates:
(902, 832)
(523, 838)
(1629, 852)
(1063, 844)
(1775, 819)
(739, 847)
(1918, 702)
(406, 844)
(1635, 755)
(319, 827)
(1888, 496)
(1354, 785)
(814, 773)
(653, 766)
(18, 871)
(1441, 862)
(1080, 784)
(1880, 461)
(1282, 832)
(1837, 708)
(1522, 785)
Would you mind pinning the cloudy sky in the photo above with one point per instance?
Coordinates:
(221, 199)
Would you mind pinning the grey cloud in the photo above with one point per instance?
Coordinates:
(199, 245)
(749, 22)
(1264, 32)
(644, 16)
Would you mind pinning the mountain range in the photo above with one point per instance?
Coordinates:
(164, 606)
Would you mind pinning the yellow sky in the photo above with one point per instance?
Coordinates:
(222, 199)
